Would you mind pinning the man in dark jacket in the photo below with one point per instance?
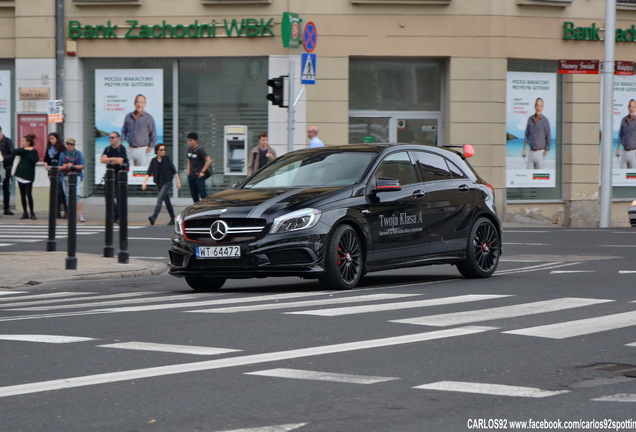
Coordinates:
(6, 148)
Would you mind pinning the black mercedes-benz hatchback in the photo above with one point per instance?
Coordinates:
(335, 213)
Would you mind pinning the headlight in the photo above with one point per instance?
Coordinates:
(178, 225)
(294, 221)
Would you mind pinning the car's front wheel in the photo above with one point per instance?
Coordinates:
(344, 260)
(482, 251)
(202, 283)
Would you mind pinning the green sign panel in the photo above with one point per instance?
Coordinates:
(592, 33)
(246, 27)
(292, 36)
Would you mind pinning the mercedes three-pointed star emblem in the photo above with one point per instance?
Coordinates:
(218, 230)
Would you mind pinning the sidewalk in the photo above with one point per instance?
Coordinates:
(21, 269)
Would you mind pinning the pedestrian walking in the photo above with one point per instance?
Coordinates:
(312, 134)
(55, 147)
(162, 171)
(25, 173)
(6, 149)
(197, 164)
(72, 159)
(260, 155)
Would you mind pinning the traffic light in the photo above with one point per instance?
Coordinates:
(277, 95)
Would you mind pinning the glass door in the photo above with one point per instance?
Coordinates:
(407, 128)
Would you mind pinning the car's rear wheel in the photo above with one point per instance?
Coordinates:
(482, 251)
(202, 283)
(344, 261)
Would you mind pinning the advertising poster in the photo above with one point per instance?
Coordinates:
(36, 124)
(624, 91)
(115, 93)
(530, 168)
(5, 103)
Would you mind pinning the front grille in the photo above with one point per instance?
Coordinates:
(239, 230)
(291, 256)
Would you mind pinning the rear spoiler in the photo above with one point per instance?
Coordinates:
(467, 150)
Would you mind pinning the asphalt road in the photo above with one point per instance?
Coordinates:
(409, 350)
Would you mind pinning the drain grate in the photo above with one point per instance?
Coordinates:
(625, 369)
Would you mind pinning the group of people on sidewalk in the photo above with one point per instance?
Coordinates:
(161, 168)
(20, 163)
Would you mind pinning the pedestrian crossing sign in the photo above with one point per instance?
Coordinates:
(308, 68)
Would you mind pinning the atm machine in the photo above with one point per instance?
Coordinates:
(235, 150)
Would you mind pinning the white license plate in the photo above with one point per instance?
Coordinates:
(218, 252)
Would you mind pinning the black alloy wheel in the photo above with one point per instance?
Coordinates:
(205, 284)
(344, 261)
(482, 251)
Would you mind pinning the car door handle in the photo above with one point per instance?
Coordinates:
(463, 188)
(418, 193)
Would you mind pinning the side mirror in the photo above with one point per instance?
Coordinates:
(386, 184)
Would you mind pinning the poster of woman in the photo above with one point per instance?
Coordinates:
(531, 129)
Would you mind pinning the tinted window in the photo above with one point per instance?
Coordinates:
(455, 171)
(328, 169)
(397, 166)
(432, 167)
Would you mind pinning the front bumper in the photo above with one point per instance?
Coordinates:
(288, 254)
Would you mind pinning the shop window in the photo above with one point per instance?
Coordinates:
(395, 84)
(626, 4)
(557, 3)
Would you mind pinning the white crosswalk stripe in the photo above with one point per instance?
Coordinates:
(169, 348)
(396, 306)
(26, 233)
(490, 389)
(321, 376)
(459, 318)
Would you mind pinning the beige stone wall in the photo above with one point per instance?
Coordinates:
(475, 38)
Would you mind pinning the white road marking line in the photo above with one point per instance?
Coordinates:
(158, 258)
(490, 389)
(586, 326)
(81, 381)
(618, 397)
(21, 240)
(321, 376)
(55, 315)
(460, 318)
(216, 302)
(48, 296)
(275, 428)
(3, 293)
(165, 239)
(70, 299)
(619, 246)
(268, 306)
(52, 339)
(626, 271)
(397, 306)
(526, 232)
(169, 348)
(5, 244)
(548, 266)
(527, 244)
(157, 298)
(571, 271)
(631, 344)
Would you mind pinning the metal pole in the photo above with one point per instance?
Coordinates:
(71, 259)
(291, 109)
(59, 56)
(122, 185)
(607, 108)
(51, 245)
(109, 195)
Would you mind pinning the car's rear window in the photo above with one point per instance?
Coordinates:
(321, 169)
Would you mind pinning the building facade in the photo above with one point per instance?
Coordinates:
(443, 72)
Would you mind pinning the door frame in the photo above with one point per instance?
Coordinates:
(394, 116)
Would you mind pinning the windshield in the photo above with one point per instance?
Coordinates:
(321, 169)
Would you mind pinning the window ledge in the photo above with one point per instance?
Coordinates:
(555, 3)
(222, 2)
(394, 2)
(107, 2)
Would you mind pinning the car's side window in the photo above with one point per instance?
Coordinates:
(432, 167)
(456, 171)
(398, 166)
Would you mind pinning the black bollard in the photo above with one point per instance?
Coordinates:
(54, 176)
(71, 259)
(122, 187)
(109, 249)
